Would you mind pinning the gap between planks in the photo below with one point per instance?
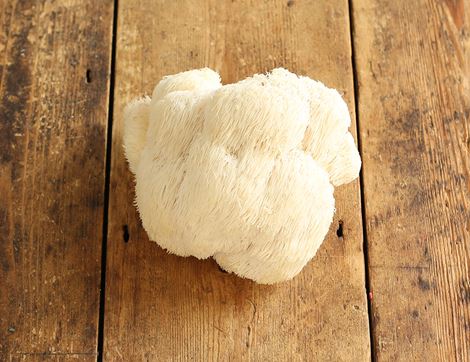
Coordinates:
(109, 142)
(365, 247)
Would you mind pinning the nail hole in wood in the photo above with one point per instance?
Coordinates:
(339, 231)
(125, 233)
(290, 3)
(88, 76)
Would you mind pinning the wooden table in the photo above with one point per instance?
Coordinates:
(79, 279)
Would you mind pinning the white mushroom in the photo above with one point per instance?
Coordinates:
(242, 172)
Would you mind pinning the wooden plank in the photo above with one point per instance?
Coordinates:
(163, 307)
(413, 66)
(53, 119)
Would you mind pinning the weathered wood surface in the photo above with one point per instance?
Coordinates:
(412, 64)
(52, 166)
(413, 67)
(163, 307)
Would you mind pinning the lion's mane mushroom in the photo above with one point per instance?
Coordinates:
(241, 172)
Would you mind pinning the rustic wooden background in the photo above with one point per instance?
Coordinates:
(79, 279)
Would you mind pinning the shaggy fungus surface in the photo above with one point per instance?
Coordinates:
(242, 172)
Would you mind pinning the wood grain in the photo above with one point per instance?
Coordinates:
(52, 157)
(163, 307)
(413, 67)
